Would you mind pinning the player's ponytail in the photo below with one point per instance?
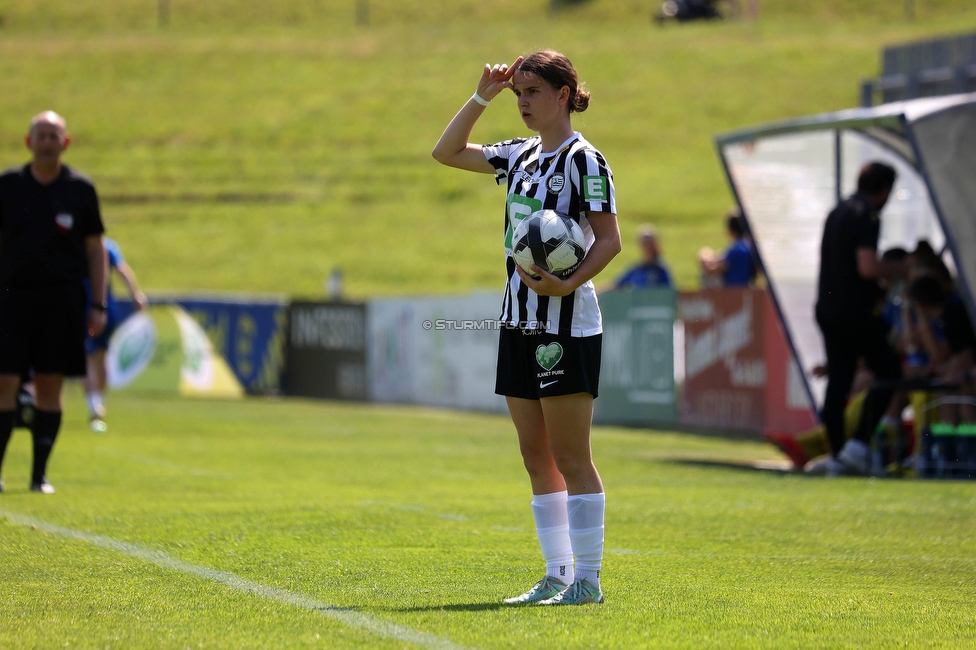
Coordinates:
(579, 100)
(557, 70)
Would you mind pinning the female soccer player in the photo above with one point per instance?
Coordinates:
(550, 341)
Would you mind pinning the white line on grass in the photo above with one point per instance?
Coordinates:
(348, 617)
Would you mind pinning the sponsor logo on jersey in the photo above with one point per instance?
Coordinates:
(595, 188)
(64, 221)
(555, 183)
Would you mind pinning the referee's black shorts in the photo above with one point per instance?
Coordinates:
(533, 364)
(44, 329)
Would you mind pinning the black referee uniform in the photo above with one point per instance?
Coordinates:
(43, 263)
(849, 315)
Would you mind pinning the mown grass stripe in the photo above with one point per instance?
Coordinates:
(348, 617)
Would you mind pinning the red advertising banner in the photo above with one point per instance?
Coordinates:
(739, 371)
(725, 367)
(788, 406)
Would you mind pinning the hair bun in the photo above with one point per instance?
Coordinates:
(581, 100)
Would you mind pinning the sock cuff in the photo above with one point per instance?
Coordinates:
(594, 497)
(552, 497)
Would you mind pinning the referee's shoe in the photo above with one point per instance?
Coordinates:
(42, 486)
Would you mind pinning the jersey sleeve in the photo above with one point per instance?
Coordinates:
(867, 231)
(592, 180)
(114, 253)
(499, 156)
(92, 223)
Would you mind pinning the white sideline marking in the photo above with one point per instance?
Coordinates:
(348, 617)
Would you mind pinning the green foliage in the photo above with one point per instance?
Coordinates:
(258, 145)
(421, 518)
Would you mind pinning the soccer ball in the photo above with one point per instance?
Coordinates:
(550, 241)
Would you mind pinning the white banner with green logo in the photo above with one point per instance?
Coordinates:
(163, 349)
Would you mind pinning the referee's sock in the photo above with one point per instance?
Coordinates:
(45, 430)
(6, 429)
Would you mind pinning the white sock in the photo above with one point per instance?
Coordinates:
(586, 513)
(94, 400)
(552, 529)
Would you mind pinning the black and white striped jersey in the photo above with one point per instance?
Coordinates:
(572, 180)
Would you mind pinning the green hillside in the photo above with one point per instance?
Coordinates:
(256, 146)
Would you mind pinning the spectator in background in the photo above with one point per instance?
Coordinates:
(947, 337)
(96, 346)
(734, 267)
(848, 311)
(651, 271)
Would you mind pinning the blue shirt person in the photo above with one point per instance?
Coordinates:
(95, 347)
(651, 272)
(735, 266)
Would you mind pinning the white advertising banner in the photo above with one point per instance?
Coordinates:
(435, 351)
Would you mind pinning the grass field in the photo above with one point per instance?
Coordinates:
(255, 146)
(257, 524)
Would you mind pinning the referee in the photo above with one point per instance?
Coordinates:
(50, 242)
(848, 311)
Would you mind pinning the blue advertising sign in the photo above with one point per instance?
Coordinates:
(248, 332)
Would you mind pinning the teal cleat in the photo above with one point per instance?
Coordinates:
(578, 593)
(545, 588)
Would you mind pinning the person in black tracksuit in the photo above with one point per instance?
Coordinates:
(50, 242)
(848, 312)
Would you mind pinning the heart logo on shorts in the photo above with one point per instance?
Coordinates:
(549, 355)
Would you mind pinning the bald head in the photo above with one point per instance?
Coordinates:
(47, 140)
(49, 118)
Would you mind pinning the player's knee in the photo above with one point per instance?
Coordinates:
(572, 464)
(536, 459)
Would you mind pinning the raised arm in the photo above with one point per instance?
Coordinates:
(453, 148)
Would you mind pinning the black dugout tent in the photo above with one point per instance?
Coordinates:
(787, 176)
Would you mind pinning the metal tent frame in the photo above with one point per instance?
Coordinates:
(786, 176)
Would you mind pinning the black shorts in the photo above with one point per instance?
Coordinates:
(43, 328)
(533, 364)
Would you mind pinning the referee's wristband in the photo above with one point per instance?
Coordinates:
(481, 100)
(100, 307)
